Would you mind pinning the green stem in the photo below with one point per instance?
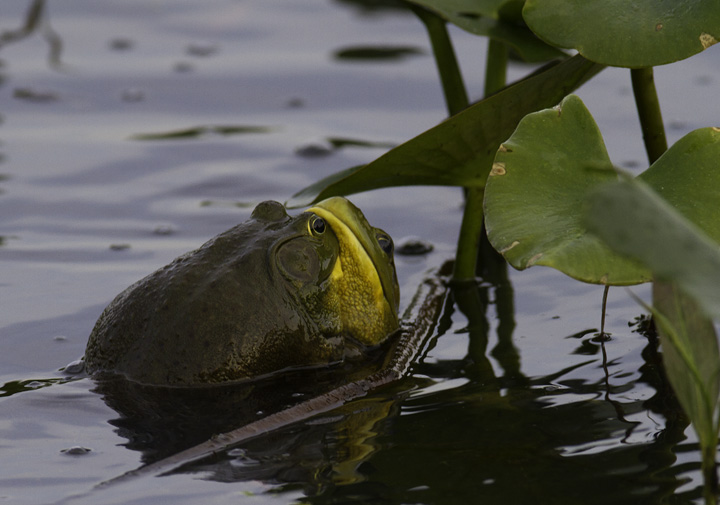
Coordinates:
(456, 97)
(471, 229)
(710, 476)
(648, 106)
(470, 233)
(495, 67)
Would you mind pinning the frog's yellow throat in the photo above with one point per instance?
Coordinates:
(356, 288)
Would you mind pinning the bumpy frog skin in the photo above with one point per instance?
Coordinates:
(271, 293)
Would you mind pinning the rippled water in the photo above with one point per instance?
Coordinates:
(261, 95)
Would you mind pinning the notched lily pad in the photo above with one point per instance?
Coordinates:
(545, 173)
(642, 33)
(638, 222)
(536, 189)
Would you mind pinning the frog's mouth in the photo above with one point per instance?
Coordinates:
(362, 268)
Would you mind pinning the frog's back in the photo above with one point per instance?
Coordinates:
(204, 318)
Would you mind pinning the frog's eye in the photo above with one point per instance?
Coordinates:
(317, 225)
(385, 243)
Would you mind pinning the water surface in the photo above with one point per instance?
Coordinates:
(519, 408)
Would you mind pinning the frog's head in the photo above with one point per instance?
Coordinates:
(339, 268)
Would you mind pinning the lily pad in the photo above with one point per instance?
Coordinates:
(539, 182)
(498, 19)
(546, 171)
(687, 176)
(639, 223)
(460, 150)
(641, 33)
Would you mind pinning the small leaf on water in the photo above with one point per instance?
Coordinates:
(377, 53)
(201, 131)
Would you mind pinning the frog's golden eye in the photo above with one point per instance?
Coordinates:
(385, 243)
(317, 225)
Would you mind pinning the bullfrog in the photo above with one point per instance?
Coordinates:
(273, 293)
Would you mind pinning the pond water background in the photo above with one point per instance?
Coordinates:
(86, 209)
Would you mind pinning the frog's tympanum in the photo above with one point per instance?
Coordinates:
(272, 293)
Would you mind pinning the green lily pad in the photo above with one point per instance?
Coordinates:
(460, 150)
(539, 182)
(546, 171)
(639, 223)
(687, 176)
(622, 33)
(497, 19)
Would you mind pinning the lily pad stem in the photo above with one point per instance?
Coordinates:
(469, 239)
(495, 67)
(471, 229)
(456, 97)
(648, 106)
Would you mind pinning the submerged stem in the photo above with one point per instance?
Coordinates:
(648, 106)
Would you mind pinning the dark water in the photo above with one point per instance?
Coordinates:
(513, 400)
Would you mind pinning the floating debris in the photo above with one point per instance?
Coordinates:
(314, 151)
(121, 44)
(132, 95)
(34, 95)
(375, 53)
(183, 67)
(413, 246)
(201, 50)
(164, 229)
(200, 131)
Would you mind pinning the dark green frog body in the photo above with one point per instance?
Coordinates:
(272, 293)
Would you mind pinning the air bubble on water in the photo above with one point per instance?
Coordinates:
(74, 368)
(76, 450)
(238, 452)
